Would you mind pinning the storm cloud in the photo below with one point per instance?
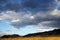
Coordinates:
(30, 12)
(28, 5)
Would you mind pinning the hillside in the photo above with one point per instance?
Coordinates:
(54, 32)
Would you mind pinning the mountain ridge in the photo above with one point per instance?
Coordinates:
(55, 32)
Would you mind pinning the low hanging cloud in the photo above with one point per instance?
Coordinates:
(30, 12)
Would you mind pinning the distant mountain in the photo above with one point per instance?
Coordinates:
(55, 32)
(10, 36)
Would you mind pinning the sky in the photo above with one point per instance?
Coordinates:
(28, 16)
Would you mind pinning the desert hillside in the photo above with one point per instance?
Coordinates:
(32, 38)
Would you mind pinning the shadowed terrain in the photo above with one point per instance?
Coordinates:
(55, 32)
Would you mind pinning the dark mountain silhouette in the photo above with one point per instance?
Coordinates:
(10, 36)
(55, 32)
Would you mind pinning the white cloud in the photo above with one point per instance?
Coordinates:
(56, 13)
(5, 33)
(16, 20)
(32, 17)
(0, 18)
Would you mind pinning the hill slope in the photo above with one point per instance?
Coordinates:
(54, 32)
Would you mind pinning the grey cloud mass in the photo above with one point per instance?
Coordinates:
(30, 5)
(30, 12)
(47, 20)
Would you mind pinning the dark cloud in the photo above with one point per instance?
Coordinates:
(39, 5)
(44, 19)
(41, 10)
(52, 24)
(58, 0)
(59, 8)
(13, 6)
(1, 1)
(31, 5)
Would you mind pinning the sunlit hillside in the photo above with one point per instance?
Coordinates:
(32, 38)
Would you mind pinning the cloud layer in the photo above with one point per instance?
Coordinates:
(30, 12)
(27, 5)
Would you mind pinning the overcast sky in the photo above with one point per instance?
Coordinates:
(29, 16)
